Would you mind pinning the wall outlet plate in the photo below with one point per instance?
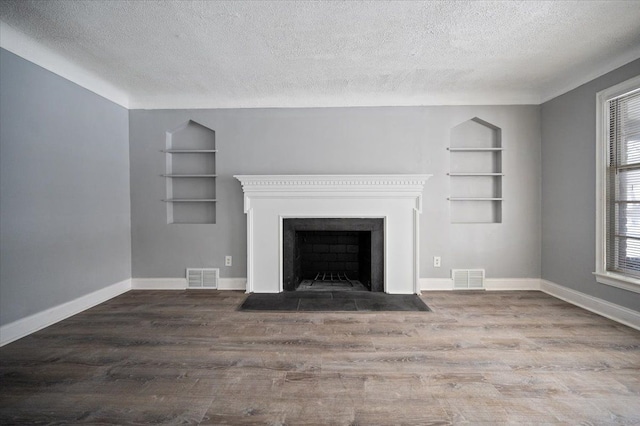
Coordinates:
(436, 261)
(228, 261)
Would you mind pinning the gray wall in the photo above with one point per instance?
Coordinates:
(64, 190)
(337, 140)
(568, 189)
(67, 229)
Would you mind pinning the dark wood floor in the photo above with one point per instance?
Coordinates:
(190, 357)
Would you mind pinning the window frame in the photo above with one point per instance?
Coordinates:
(601, 274)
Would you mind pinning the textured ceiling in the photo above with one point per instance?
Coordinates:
(177, 54)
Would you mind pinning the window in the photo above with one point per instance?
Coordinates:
(618, 181)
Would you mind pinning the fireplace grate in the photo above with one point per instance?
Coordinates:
(331, 277)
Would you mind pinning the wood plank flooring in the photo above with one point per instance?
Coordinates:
(180, 357)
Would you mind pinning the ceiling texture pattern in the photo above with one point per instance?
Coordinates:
(221, 54)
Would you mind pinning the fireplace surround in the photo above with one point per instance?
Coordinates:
(350, 249)
(394, 200)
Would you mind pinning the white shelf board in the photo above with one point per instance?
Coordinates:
(468, 149)
(190, 200)
(474, 199)
(191, 176)
(476, 174)
(189, 151)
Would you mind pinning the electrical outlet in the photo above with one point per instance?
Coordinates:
(227, 261)
(436, 261)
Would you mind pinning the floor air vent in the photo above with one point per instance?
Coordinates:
(464, 279)
(202, 278)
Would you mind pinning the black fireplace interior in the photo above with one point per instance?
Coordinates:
(340, 253)
(333, 250)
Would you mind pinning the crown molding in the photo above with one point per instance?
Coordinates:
(29, 49)
(571, 82)
(33, 51)
(364, 100)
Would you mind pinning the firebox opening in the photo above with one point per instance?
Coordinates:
(339, 258)
(333, 254)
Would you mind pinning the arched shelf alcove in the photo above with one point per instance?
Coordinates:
(191, 174)
(476, 172)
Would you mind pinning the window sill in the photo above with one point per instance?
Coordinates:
(618, 280)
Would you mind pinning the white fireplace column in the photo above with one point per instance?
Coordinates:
(269, 199)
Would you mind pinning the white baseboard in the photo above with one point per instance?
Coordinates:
(158, 284)
(232, 284)
(25, 326)
(490, 284)
(436, 284)
(181, 284)
(497, 284)
(601, 307)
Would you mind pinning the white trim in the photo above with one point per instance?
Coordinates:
(35, 52)
(332, 185)
(617, 280)
(232, 284)
(250, 256)
(596, 305)
(602, 162)
(385, 254)
(291, 196)
(25, 326)
(490, 284)
(281, 219)
(417, 211)
(158, 284)
(500, 284)
(191, 101)
(571, 82)
(436, 284)
(181, 284)
(29, 49)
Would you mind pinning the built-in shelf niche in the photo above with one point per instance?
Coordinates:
(476, 172)
(191, 174)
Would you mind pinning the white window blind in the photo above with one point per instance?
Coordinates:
(623, 185)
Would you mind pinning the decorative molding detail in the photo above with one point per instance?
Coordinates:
(596, 305)
(25, 326)
(270, 198)
(32, 51)
(334, 184)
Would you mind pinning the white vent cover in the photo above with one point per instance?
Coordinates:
(202, 278)
(467, 278)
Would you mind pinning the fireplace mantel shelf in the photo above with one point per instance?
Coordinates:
(285, 183)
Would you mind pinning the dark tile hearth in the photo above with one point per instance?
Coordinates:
(332, 301)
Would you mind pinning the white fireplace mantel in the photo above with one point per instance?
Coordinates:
(269, 199)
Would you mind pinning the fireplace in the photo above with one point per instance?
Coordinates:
(395, 201)
(345, 253)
